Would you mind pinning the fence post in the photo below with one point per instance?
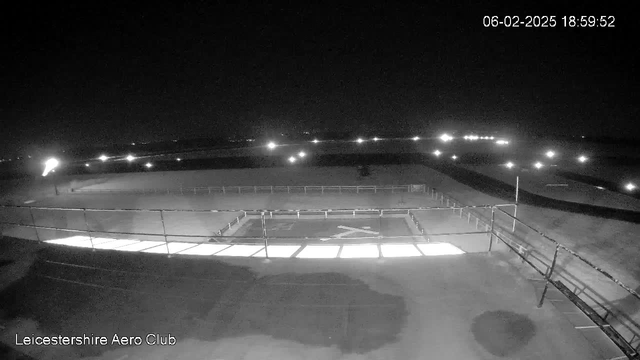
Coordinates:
(194, 191)
(272, 189)
(493, 213)
(357, 189)
(322, 189)
(86, 224)
(325, 214)
(298, 214)
(209, 188)
(223, 190)
(264, 235)
(548, 276)
(33, 220)
(288, 190)
(255, 189)
(164, 232)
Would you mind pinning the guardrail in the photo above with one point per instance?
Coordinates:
(526, 254)
(309, 189)
(490, 226)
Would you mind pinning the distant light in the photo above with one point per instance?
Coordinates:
(538, 165)
(491, 138)
(582, 158)
(302, 154)
(50, 165)
(582, 136)
(630, 186)
(133, 144)
(103, 158)
(599, 187)
(437, 153)
(509, 165)
(315, 141)
(87, 164)
(359, 141)
(550, 154)
(375, 138)
(271, 145)
(502, 142)
(416, 138)
(148, 165)
(292, 159)
(454, 157)
(446, 137)
(178, 159)
(466, 137)
(130, 158)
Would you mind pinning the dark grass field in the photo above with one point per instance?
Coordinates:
(297, 229)
(73, 291)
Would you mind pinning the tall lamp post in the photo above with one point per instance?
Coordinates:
(49, 166)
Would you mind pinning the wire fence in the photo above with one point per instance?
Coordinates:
(212, 190)
(559, 266)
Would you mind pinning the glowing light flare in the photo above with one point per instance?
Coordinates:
(130, 158)
(178, 159)
(271, 145)
(359, 141)
(550, 154)
(509, 165)
(376, 138)
(148, 165)
(315, 141)
(630, 186)
(302, 154)
(454, 157)
(538, 165)
(49, 165)
(582, 158)
(415, 138)
(502, 142)
(292, 159)
(103, 158)
(437, 153)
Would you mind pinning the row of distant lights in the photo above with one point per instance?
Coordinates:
(582, 159)
(293, 158)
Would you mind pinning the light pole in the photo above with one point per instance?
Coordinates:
(50, 166)
(515, 209)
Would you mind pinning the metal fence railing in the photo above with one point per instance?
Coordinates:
(545, 262)
(618, 325)
(209, 190)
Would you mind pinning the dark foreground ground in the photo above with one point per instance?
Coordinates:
(447, 307)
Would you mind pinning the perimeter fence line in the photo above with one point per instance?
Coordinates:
(210, 190)
(491, 228)
(527, 253)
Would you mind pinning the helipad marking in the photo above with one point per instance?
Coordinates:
(352, 230)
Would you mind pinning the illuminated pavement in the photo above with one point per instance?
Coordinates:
(300, 251)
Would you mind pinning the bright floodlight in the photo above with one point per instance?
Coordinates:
(87, 164)
(103, 158)
(315, 141)
(437, 153)
(538, 165)
(550, 154)
(502, 142)
(130, 158)
(509, 165)
(359, 141)
(302, 154)
(271, 145)
(446, 137)
(416, 138)
(376, 138)
(630, 186)
(454, 157)
(292, 159)
(49, 165)
(582, 158)
(178, 159)
(148, 165)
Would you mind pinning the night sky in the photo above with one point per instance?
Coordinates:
(101, 72)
